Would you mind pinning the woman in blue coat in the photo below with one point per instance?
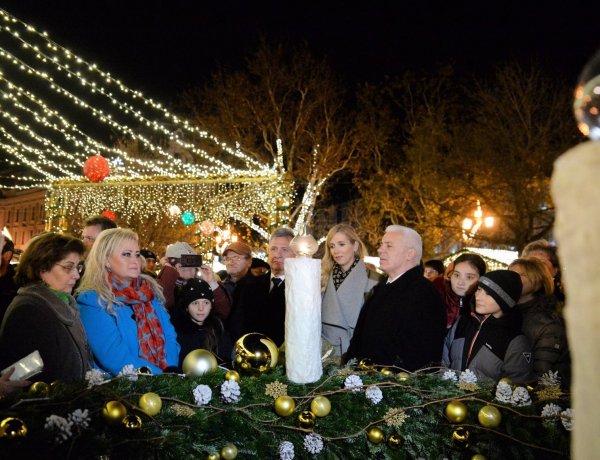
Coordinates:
(123, 311)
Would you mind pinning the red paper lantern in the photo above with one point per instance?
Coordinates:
(96, 168)
(108, 213)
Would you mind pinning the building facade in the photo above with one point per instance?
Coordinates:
(23, 215)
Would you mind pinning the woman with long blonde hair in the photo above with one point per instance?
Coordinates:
(122, 310)
(346, 281)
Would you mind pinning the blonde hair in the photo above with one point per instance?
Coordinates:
(95, 277)
(538, 273)
(328, 262)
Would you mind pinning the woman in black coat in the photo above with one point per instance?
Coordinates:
(43, 316)
(542, 323)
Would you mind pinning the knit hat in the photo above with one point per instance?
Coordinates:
(148, 254)
(239, 248)
(256, 263)
(504, 286)
(195, 289)
(175, 250)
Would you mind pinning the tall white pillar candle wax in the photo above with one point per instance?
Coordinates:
(303, 319)
(575, 192)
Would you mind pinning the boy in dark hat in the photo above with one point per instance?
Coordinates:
(197, 323)
(150, 260)
(489, 342)
(259, 267)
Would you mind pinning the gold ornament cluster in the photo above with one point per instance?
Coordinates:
(377, 436)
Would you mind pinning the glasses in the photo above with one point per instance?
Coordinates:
(72, 268)
(228, 259)
(91, 239)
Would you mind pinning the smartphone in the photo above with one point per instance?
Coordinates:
(191, 260)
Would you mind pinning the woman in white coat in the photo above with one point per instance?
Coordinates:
(346, 281)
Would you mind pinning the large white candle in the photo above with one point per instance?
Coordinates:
(575, 191)
(303, 319)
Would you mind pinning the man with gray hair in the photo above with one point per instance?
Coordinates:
(265, 299)
(403, 323)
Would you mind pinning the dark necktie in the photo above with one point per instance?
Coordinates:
(276, 281)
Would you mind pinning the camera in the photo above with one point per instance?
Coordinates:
(190, 260)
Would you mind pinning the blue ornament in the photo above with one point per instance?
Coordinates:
(187, 218)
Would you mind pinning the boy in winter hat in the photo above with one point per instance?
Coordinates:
(503, 287)
(489, 342)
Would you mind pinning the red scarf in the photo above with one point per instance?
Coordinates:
(138, 295)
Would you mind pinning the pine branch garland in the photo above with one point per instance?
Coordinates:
(184, 429)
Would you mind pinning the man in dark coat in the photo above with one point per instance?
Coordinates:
(265, 300)
(404, 322)
(237, 258)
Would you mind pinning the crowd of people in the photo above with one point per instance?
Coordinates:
(98, 302)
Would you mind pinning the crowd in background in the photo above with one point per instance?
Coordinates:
(99, 302)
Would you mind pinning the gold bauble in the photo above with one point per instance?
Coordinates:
(306, 420)
(456, 411)
(395, 441)
(255, 354)
(199, 362)
(376, 435)
(39, 389)
(150, 403)
(144, 370)
(132, 422)
(478, 457)
(506, 380)
(229, 451)
(489, 416)
(403, 376)
(232, 375)
(12, 427)
(113, 412)
(460, 438)
(386, 371)
(284, 406)
(213, 456)
(56, 386)
(366, 364)
(320, 406)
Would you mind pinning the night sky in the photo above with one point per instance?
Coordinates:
(164, 47)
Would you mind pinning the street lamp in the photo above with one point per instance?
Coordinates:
(472, 226)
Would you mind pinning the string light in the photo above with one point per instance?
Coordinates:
(311, 192)
(231, 183)
(241, 199)
(86, 72)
